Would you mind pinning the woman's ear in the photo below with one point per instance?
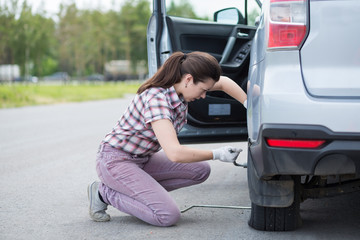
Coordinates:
(189, 79)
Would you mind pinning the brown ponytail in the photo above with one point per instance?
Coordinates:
(200, 65)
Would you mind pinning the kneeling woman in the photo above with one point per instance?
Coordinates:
(135, 175)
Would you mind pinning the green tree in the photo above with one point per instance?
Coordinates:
(7, 32)
(80, 42)
(71, 44)
(106, 35)
(252, 16)
(183, 9)
(115, 49)
(134, 16)
(34, 42)
(25, 38)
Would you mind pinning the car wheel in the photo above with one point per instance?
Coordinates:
(276, 218)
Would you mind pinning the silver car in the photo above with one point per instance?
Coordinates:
(303, 108)
(299, 61)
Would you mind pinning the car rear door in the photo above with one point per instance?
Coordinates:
(218, 117)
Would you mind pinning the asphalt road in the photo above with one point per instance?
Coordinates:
(47, 159)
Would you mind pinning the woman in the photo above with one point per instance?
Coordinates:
(135, 175)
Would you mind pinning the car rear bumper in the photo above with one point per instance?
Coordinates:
(340, 154)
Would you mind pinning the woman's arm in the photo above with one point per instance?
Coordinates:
(166, 135)
(167, 138)
(228, 86)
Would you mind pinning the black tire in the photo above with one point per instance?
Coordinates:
(277, 219)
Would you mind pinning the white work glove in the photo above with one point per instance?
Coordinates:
(226, 154)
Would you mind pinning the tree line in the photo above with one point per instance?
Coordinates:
(78, 42)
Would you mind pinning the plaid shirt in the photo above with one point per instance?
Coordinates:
(133, 132)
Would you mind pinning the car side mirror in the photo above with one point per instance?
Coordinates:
(229, 16)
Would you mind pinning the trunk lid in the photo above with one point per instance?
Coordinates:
(330, 56)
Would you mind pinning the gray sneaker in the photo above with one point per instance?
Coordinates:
(97, 207)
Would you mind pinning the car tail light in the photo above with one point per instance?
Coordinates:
(287, 23)
(294, 143)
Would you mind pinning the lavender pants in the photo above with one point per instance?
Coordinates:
(140, 186)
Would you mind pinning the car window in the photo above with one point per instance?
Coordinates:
(205, 9)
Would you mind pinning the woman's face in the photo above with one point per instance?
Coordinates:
(194, 91)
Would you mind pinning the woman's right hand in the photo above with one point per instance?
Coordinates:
(226, 154)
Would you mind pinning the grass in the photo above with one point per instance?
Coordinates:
(19, 95)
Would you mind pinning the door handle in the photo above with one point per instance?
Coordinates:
(242, 35)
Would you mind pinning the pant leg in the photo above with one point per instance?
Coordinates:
(176, 175)
(130, 189)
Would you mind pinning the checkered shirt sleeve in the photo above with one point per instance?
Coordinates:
(133, 132)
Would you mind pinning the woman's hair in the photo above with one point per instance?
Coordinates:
(200, 65)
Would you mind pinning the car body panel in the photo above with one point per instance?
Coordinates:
(277, 93)
(272, 161)
(332, 69)
(291, 95)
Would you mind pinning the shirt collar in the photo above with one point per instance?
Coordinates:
(175, 99)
